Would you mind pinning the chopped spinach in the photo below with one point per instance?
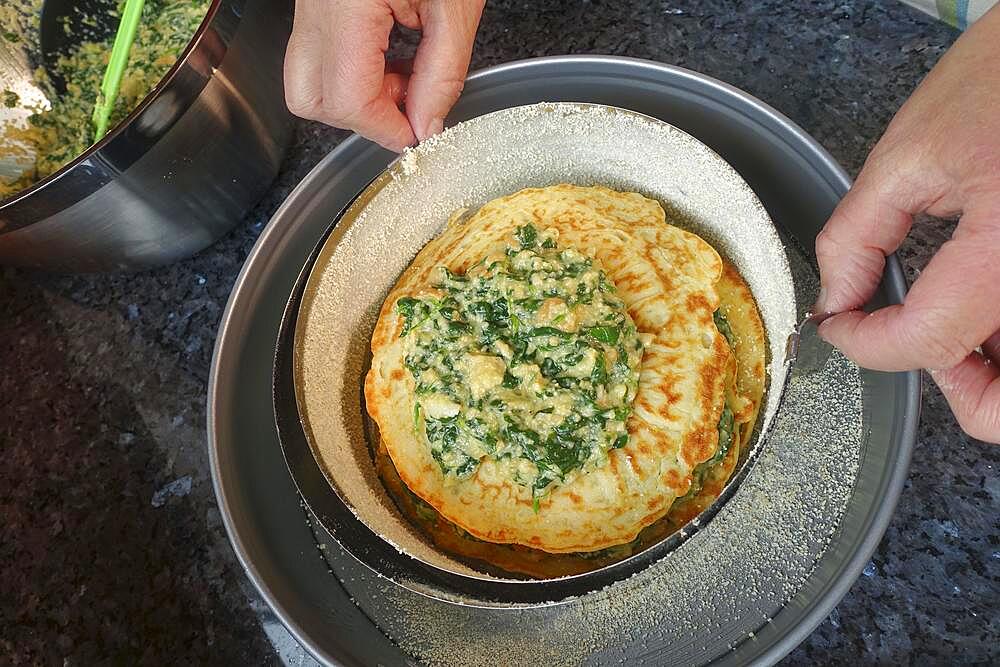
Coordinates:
(550, 368)
(600, 373)
(549, 331)
(727, 422)
(604, 334)
(559, 404)
(727, 425)
(722, 324)
(527, 236)
(510, 381)
(414, 311)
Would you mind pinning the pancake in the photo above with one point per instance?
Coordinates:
(562, 422)
(749, 345)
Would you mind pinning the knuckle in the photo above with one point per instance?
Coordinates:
(452, 86)
(454, 83)
(336, 108)
(938, 349)
(299, 106)
(336, 111)
(985, 156)
(981, 422)
(943, 354)
(826, 244)
(332, 106)
(351, 112)
(301, 100)
(344, 107)
(881, 162)
(339, 114)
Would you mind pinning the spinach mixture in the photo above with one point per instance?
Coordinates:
(529, 358)
(61, 133)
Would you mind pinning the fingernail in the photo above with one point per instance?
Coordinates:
(436, 126)
(942, 379)
(821, 332)
(820, 306)
(394, 147)
(401, 146)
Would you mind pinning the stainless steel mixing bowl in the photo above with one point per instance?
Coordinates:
(181, 169)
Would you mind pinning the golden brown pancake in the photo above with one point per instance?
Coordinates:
(739, 307)
(668, 283)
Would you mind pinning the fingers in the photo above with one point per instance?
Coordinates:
(441, 62)
(335, 71)
(972, 389)
(380, 119)
(945, 315)
(868, 224)
(303, 72)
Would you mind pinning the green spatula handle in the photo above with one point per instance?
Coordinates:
(112, 81)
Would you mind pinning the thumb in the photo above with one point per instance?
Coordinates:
(441, 62)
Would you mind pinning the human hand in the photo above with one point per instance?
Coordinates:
(336, 71)
(939, 155)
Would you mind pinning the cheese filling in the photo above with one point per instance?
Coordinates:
(529, 362)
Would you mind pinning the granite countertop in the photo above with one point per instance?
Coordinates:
(111, 546)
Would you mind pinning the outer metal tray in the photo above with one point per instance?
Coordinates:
(797, 181)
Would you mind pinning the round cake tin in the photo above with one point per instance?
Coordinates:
(272, 532)
(322, 353)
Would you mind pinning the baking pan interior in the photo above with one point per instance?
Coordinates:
(379, 234)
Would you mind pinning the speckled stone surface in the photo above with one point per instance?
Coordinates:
(111, 547)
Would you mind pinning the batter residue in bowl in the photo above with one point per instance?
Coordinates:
(61, 133)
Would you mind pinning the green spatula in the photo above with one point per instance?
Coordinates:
(112, 81)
